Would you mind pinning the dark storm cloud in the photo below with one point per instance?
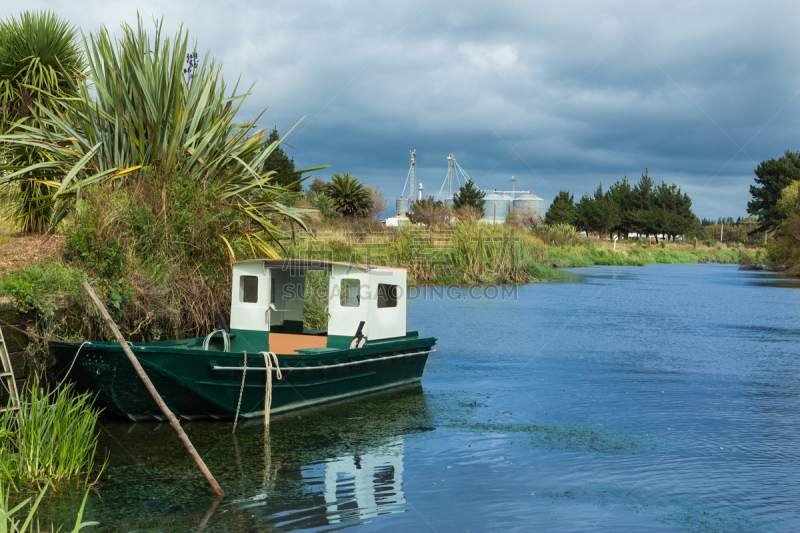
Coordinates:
(562, 95)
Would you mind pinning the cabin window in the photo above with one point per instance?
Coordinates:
(350, 295)
(272, 291)
(248, 289)
(387, 295)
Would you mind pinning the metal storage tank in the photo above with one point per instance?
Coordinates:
(402, 206)
(496, 207)
(530, 202)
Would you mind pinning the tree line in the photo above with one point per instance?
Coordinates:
(776, 206)
(643, 208)
(727, 221)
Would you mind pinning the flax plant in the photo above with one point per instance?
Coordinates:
(144, 119)
(41, 63)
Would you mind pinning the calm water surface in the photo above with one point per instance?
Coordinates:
(662, 398)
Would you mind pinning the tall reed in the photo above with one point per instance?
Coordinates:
(51, 438)
(465, 253)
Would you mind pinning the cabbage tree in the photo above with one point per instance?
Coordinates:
(350, 196)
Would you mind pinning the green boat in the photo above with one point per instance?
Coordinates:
(365, 349)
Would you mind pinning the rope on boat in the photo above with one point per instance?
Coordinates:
(241, 392)
(226, 340)
(70, 368)
(268, 395)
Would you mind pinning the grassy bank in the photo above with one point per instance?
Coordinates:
(475, 253)
(633, 255)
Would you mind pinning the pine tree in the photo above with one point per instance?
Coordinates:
(771, 178)
(562, 210)
(622, 194)
(469, 194)
(640, 214)
(281, 164)
(597, 212)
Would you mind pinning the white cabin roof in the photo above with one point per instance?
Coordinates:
(312, 264)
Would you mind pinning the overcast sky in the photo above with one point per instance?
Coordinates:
(563, 95)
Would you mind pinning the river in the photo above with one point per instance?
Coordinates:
(656, 398)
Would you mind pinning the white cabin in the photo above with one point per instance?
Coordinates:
(268, 296)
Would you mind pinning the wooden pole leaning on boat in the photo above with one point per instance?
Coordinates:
(173, 421)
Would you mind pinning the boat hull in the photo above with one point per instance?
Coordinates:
(206, 384)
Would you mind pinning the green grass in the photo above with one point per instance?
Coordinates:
(50, 439)
(590, 255)
(34, 287)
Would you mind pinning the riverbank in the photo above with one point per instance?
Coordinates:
(142, 297)
(635, 255)
(474, 253)
(469, 253)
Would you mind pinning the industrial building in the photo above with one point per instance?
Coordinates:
(498, 204)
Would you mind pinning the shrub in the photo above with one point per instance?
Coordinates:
(430, 212)
(468, 212)
(377, 202)
(524, 219)
(557, 234)
(157, 253)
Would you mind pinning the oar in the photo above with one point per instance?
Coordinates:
(176, 425)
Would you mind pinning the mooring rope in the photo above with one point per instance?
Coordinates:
(70, 367)
(268, 394)
(241, 392)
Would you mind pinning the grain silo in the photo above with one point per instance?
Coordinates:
(530, 203)
(496, 207)
(402, 206)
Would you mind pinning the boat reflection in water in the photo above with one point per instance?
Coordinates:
(361, 486)
(343, 490)
(348, 470)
